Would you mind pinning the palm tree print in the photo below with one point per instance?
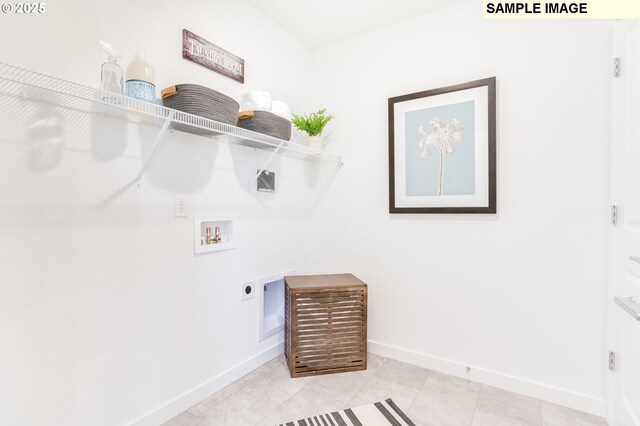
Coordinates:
(444, 137)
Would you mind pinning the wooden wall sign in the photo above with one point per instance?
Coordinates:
(207, 54)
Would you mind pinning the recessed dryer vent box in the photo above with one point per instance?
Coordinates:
(271, 302)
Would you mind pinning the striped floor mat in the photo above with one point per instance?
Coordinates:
(377, 414)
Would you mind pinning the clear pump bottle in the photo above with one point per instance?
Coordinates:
(111, 74)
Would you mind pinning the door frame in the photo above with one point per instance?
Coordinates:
(619, 120)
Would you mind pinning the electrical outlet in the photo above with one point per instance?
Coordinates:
(180, 206)
(248, 290)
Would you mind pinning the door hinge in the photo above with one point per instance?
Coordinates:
(612, 360)
(614, 214)
(616, 67)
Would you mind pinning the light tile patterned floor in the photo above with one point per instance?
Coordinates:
(268, 396)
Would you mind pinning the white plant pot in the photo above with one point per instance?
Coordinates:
(316, 142)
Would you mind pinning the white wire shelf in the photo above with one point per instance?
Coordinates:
(24, 83)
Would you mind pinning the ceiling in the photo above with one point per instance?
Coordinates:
(318, 23)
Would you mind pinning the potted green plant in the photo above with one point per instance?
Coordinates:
(313, 125)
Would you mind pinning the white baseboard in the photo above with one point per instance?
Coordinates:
(586, 403)
(188, 399)
(567, 398)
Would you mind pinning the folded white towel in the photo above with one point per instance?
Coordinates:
(281, 109)
(255, 100)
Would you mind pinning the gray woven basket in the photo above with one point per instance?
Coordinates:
(201, 101)
(266, 123)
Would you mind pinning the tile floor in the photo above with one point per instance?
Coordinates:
(268, 396)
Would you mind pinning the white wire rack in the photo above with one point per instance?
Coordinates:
(24, 83)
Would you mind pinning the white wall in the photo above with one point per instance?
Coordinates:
(106, 314)
(518, 296)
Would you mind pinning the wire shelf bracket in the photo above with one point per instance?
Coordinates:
(161, 133)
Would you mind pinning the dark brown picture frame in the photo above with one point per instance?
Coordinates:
(490, 83)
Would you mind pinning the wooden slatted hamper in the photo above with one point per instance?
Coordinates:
(325, 324)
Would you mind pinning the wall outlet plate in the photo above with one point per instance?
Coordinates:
(180, 206)
(248, 290)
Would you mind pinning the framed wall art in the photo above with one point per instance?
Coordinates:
(442, 150)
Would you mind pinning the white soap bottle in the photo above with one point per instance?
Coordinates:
(111, 74)
(140, 79)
